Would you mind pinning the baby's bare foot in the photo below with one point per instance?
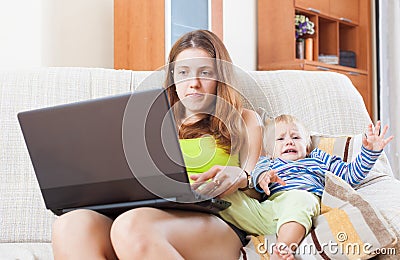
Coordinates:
(282, 251)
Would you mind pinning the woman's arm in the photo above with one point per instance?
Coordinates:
(251, 150)
(228, 179)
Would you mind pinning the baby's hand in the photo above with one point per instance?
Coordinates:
(268, 177)
(374, 139)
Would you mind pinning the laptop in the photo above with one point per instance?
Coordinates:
(110, 155)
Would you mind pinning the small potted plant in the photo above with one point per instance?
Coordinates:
(303, 26)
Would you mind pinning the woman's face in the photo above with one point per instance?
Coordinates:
(195, 81)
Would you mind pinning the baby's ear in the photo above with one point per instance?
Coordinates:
(269, 155)
(309, 145)
(268, 145)
(269, 152)
(308, 149)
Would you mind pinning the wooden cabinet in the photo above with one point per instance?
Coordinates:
(340, 25)
(360, 81)
(140, 32)
(345, 10)
(316, 6)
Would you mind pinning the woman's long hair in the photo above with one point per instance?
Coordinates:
(226, 124)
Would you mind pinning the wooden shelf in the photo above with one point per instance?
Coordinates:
(340, 25)
(299, 64)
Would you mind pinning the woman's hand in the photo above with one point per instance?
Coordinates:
(374, 140)
(225, 180)
(267, 177)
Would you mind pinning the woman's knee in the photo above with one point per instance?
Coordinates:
(133, 230)
(77, 220)
(137, 220)
(85, 230)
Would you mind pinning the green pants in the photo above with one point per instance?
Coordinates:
(261, 218)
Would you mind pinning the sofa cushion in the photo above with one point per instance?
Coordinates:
(338, 145)
(26, 251)
(348, 224)
(384, 193)
(393, 218)
(348, 147)
(348, 228)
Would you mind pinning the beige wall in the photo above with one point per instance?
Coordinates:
(81, 33)
(20, 33)
(78, 33)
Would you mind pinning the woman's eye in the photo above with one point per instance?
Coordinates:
(182, 72)
(279, 139)
(296, 137)
(206, 73)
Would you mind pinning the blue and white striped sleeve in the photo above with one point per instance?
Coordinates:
(355, 171)
(262, 165)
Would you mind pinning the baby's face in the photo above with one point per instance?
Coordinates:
(290, 142)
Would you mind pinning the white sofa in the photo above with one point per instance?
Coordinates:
(327, 101)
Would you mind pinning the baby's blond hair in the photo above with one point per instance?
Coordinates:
(269, 129)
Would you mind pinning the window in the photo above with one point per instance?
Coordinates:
(183, 16)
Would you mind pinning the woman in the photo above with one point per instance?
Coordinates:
(204, 109)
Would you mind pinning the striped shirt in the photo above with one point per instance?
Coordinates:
(309, 173)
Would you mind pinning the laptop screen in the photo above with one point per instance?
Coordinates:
(101, 140)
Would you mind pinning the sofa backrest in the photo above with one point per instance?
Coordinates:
(326, 101)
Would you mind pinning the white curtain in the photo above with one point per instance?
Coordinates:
(389, 53)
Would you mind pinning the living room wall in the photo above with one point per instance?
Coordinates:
(46, 33)
(20, 30)
(80, 33)
(77, 33)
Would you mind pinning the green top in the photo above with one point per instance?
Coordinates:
(200, 154)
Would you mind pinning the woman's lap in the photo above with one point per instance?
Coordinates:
(193, 235)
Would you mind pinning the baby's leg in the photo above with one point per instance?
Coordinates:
(290, 235)
(295, 210)
(249, 214)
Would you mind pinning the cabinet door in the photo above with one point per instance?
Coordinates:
(360, 81)
(139, 34)
(316, 68)
(345, 10)
(317, 6)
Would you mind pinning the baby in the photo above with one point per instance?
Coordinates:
(292, 179)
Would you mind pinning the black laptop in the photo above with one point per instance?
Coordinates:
(110, 155)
